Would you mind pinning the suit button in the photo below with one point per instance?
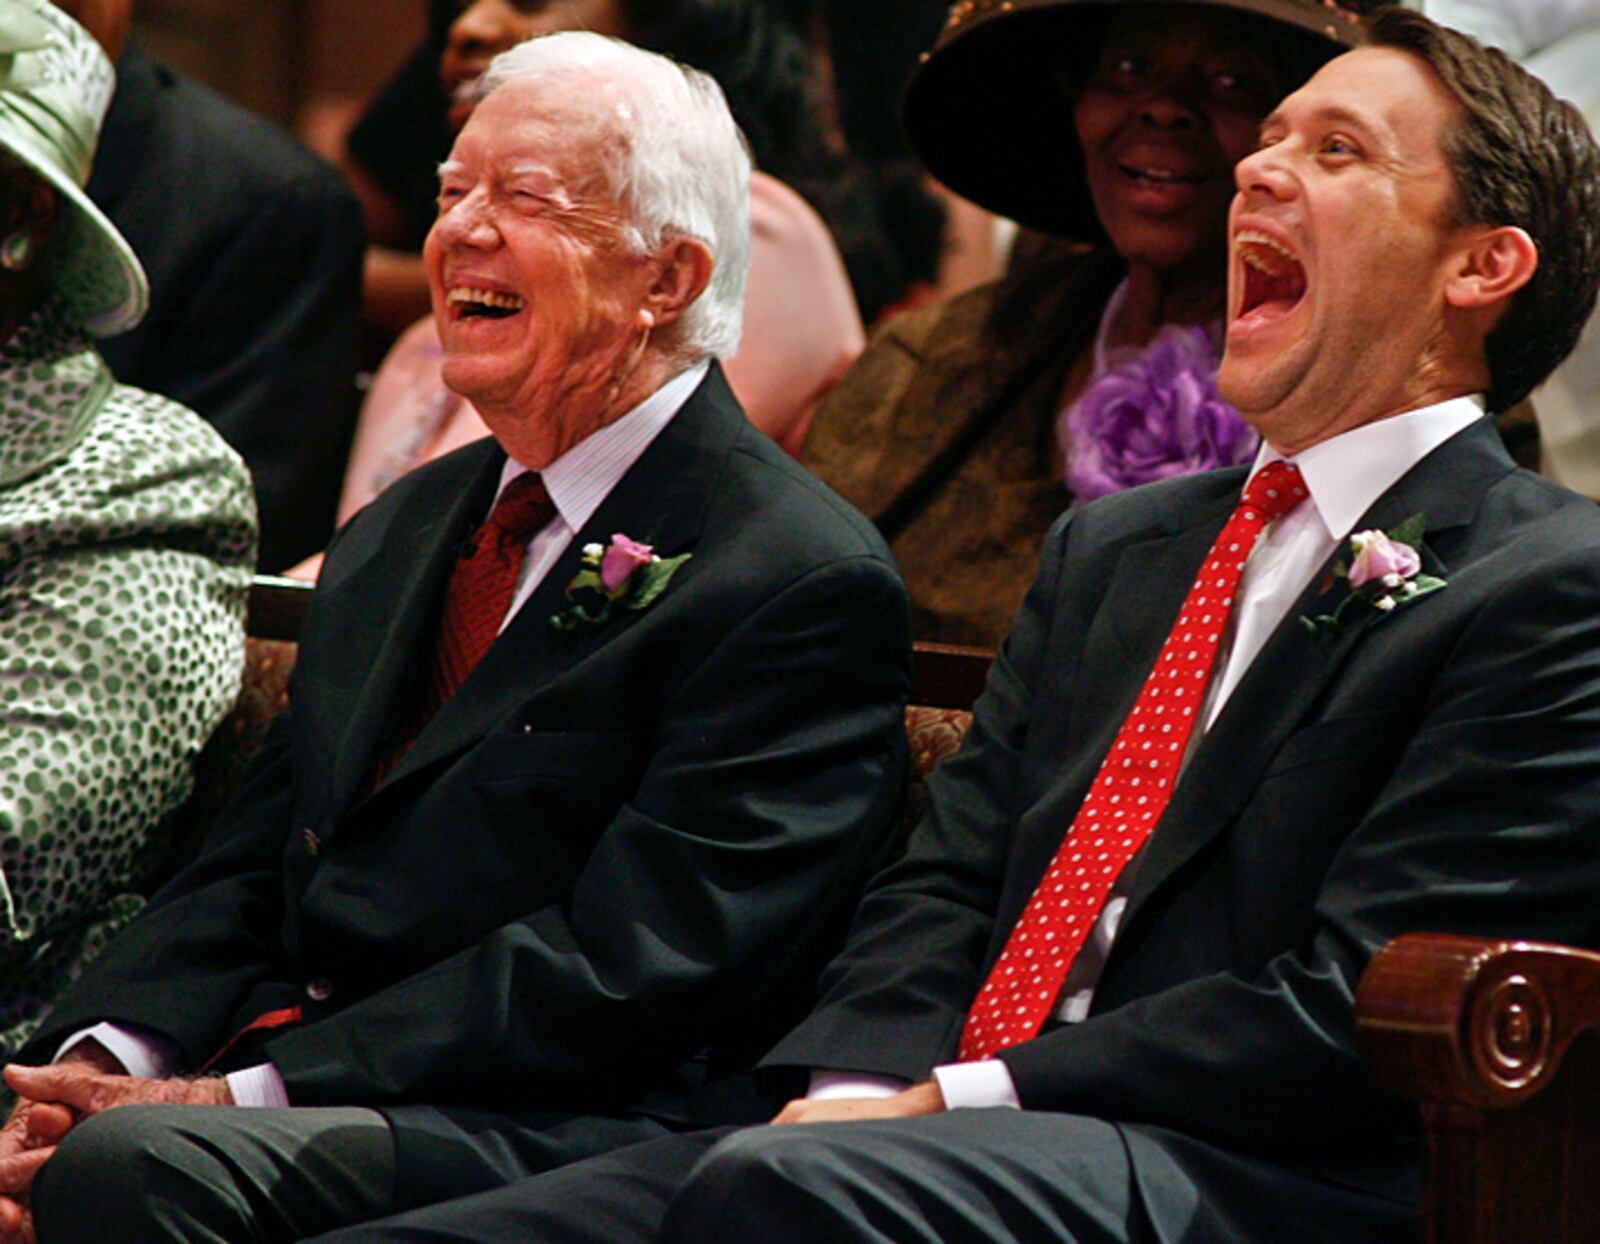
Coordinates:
(320, 990)
(312, 841)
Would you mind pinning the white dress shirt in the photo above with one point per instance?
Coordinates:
(1345, 475)
(578, 482)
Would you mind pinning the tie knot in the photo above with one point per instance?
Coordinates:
(1275, 490)
(523, 506)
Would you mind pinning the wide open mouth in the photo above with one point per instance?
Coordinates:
(472, 304)
(1273, 277)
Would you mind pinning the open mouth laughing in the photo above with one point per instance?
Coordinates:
(470, 303)
(1274, 279)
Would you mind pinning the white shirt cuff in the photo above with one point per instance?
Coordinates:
(261, 1085)
(987, 1082)
(832, 1085)
(142, 1053)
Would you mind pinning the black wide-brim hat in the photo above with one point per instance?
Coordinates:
(989, 111)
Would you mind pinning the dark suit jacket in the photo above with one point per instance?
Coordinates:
(1430, 769)
(613, 849)
(253, 248)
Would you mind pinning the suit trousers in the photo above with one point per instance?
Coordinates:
(254, 1176)
(215, 1175)
(962, 1177)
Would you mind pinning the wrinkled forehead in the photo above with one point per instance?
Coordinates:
(575, 125)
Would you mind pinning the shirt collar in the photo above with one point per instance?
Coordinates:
(1345, 474)
(580, 479)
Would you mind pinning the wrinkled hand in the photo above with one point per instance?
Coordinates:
(27, 1140)
(86, 1090)
(918, 1099)
(53, 1099)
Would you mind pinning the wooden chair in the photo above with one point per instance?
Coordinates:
(1499, 1042)
(945, 680)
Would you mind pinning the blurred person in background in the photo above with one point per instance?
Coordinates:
(252, 247)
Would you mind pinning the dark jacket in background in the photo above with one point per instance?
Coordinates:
(253, 247)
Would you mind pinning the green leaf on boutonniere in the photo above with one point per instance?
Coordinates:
(585, 579)
(650, 581)
(1411, 531)
(1387, 580)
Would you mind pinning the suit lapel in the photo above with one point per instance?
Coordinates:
(397, 631)
(1293, 668)
(660, 500)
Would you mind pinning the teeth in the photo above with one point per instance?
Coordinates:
(1266, 254)
(463, 295)
(1158, 173)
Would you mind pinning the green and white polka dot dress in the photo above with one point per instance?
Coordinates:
(127, 538)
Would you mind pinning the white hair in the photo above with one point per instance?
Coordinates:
(684, 170)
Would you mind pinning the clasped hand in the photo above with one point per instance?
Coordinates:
(52, 1100)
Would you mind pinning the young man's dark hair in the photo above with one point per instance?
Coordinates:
(1522, 157)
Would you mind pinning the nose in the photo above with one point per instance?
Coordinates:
(1264, 171)
(469, 221)
(1171, 100)
(479, 31)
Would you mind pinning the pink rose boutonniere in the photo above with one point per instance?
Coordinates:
(1384, 572)
(627, 574)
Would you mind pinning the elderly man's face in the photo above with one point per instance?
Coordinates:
(1340, 246)
(539, 285)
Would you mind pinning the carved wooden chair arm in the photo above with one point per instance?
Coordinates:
(1484, 1023)
(1500, 1043)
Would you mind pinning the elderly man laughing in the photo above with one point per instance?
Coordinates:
(595, 732)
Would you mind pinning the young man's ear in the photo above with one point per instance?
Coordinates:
(1492, 265)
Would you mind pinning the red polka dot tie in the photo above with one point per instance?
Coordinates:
(1130, 791)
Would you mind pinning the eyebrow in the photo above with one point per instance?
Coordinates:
(1336, 113)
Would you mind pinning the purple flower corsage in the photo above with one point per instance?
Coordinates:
(1154, 414)
(626, 574)
(1384, 572)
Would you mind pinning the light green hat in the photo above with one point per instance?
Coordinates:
(55, 83)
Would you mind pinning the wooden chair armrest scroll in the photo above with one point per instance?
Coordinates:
(1499, 1041)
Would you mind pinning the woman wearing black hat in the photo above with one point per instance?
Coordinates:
(969, 425)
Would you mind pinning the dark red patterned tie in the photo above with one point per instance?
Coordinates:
(483, 584)
(480, 592)
(1130, 791)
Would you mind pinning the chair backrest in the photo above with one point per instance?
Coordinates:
(278, 607)
(945, 680)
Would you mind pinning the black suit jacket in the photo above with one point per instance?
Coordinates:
(1430, 769)
(253, 248)
(612, 851)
